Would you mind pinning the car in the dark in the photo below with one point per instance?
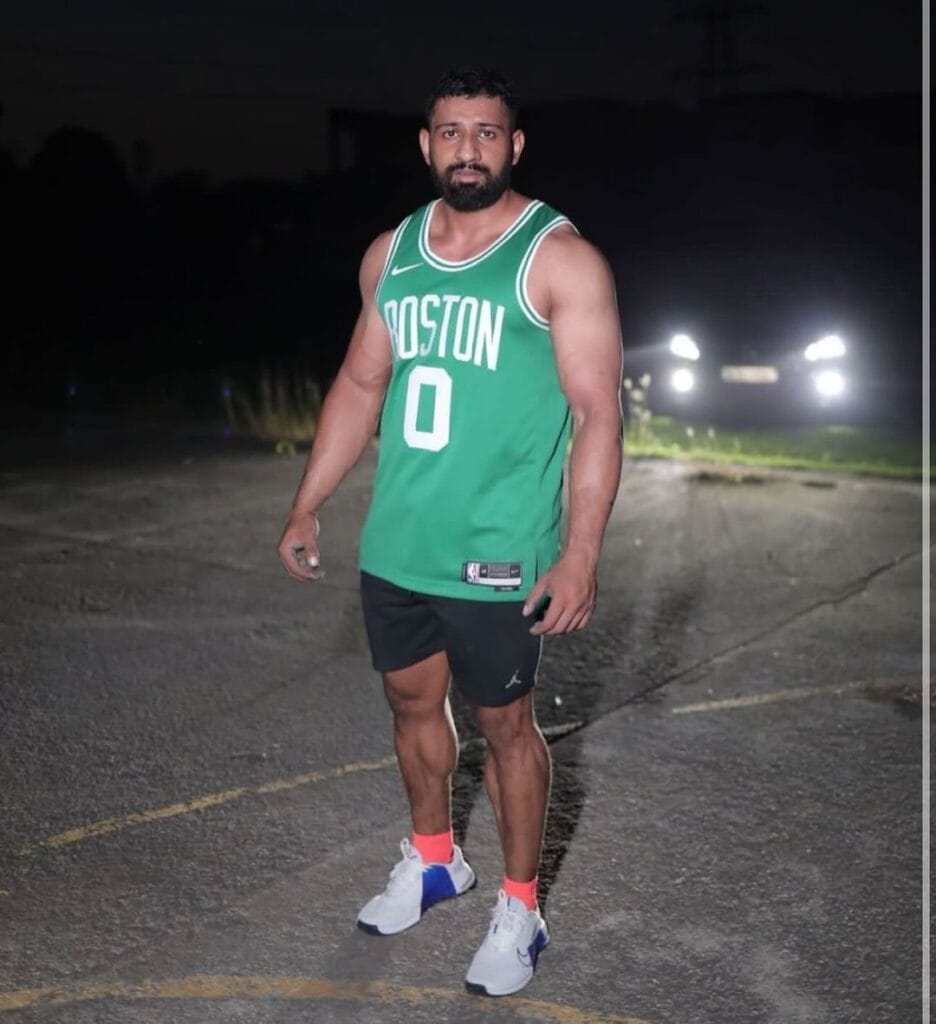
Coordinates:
(755, 384)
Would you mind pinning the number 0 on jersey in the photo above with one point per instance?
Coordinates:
(434, 377)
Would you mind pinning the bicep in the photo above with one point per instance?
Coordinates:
(368, 360)
(585, 328)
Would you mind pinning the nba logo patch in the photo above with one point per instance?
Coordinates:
(500, 575)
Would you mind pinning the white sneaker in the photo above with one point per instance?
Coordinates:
(506, 959)
(413, 888)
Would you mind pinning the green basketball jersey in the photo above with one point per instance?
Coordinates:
(467, 498)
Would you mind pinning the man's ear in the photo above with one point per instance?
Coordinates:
(519, 141)
(424, 143)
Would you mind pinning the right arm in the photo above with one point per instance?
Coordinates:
(347, 422)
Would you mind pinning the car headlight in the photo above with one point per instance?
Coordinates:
(829, 347)
(683, 346)
(682, 380)
(829, 383)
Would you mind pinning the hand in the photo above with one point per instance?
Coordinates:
(298, 547)
(572, 591)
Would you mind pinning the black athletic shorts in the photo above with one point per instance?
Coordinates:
(492, 655)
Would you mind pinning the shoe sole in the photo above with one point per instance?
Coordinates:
(480, 990)
(372, 929)
(477, 989)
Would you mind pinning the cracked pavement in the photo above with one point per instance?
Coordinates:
(735, 832)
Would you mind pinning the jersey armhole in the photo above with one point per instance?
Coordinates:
(523, 273)
(391, 252)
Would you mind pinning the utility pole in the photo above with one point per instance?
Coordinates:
(721, 69)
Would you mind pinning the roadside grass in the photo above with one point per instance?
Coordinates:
(844, 449)
(281, 407)
(284, 408)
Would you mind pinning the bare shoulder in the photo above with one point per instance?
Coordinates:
(565, 258)
(373, 261)
(568, 271)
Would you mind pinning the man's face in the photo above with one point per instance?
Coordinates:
(470, 150)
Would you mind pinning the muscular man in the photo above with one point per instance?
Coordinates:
(488, 334)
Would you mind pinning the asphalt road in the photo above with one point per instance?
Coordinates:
(198, 789)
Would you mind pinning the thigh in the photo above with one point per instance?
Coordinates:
(402, 627)
(421, 688)
(493, 658)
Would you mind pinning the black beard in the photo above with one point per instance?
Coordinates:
(468, 196)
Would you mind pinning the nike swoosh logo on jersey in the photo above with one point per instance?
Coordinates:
(402, 270)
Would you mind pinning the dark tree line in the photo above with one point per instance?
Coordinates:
(749, 216)
(124, 293)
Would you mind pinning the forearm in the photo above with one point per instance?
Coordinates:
(347, 423)
(594, 476)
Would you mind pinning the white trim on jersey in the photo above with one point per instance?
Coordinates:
(452, 265)
(391, 252)
(523, 273)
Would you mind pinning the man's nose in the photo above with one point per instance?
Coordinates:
(468, 150)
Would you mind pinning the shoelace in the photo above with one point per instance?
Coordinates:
(506, 926)
(403, 871)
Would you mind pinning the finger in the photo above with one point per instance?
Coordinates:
(580, 621)
(304, 575)
(535, 598)
(564, 622)
(571, 624)
(585, 614)
(307, 576)
(570, 618)
(302, 561)
(548, 622)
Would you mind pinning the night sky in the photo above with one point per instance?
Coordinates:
(177, 219)
(242, 89)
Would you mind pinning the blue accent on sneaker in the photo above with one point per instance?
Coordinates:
(537, 946)
(437, 885)
(506, 960)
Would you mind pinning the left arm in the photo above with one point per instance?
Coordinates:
(576, 281)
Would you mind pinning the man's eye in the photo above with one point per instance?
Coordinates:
(487, 133)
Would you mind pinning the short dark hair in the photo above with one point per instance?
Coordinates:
(474, 82)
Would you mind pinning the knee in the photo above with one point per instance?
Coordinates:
(409, 706)
(508, 728)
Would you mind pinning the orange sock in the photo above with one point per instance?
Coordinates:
(523, 891)
(434, 849)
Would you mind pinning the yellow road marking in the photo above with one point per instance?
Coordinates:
(797, 693)
(108, 825)
(100, 828)
(212, 986)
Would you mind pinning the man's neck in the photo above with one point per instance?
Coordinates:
(464, 225)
